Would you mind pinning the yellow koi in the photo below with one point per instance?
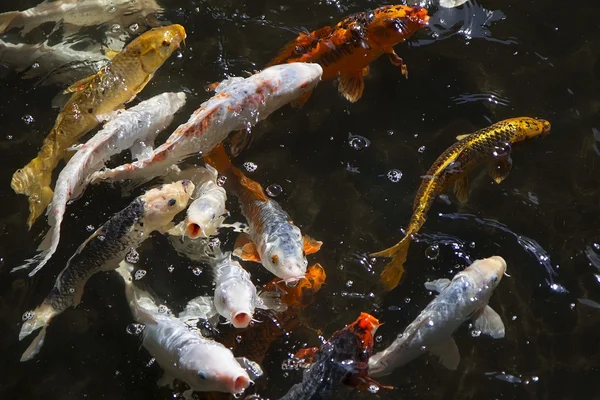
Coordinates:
(488, 144)
(108, 90)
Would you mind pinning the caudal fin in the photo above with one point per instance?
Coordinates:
(393, 271)
(39, 318)
(6, 20)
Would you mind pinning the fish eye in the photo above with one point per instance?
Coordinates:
(172, 202)
(275, 259)
(494, 279)
(202, 375)
(166, 43)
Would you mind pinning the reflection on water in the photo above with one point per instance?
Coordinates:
(348, 174)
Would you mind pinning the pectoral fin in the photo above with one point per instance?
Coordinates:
(166, 380)
(448, 353)
(271, 301)
(437, 285)
(80, 84)
(461, 188)
(500, 168)
(110, 53)
(299, 102)
(252, 368)
(201, 307)
(489, 323)
(245, 249)
(351, 86)
(311, 245)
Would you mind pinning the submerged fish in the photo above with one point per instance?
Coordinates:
(346, 50)
(235, 296)
(136, 127)
(116, 84)
(103, 250)
(59, 63)
(465, 297)
(207, 212)
(238, 104)
(342, 359)
(274, 240)
(491, 144)
(78, 13)
(182, 351)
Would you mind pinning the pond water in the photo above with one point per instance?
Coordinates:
(349, 174)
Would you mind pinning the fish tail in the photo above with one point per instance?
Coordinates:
(42, 316)
(6, 20)
(219, 160)
(393, 271)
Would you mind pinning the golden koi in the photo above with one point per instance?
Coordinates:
(453, 166)
(113, 86)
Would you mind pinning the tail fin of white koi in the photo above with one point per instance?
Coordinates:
(41, 317)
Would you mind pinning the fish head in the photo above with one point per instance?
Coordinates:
(290, 81)
(530, 128)
(395, 23)
(161, 204)
(487, 273)
(210, 367)
(285, 258)
(235, 299)
(156, 45)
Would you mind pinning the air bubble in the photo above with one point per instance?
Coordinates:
(162, 309)
(135, 329)
(349, 284)
(101, 238)
(35, 65)
(29, 315)
(378, 338)
(197, 271)
(475, 333)
(133, 28)
(432, 252)
(150, 362)
(274, 190)
(373, 388)
(115, 28)
(394, 175)
(358, 142)
(132, 256)
(90, 228)
(139, 274)
(421, 149)
(171, 268)
(221, 180)
(238, 338)
(28, 119)
(250, 166)
(501, 150)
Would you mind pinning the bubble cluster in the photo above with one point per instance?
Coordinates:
(394, 175)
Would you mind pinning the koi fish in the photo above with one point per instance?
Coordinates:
(78, 13)
(103, 250)
(346, 50)
(342, 359)
(274, 240)
(465, 297)
(207, 212)
(256, 340)
(94, 97)
(182, 352)
(490, 144)
(235, 296)
(59, 63)
(131, 128)
(237, 104)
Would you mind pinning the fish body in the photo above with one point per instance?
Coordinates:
(93, 98)
(183, 353)
(137, 126)
(274, 240)
(346, 50)
(78, 13)
(465, 297)
(238, 104)
(206, 213)
(59, 63)
(491, 144)
(235, 296)
(104, 249)
(341, 359)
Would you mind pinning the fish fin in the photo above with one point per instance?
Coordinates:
(252, 368)
(140, 87)
(307, 354)
(247, 252)
(253, 186)
(201, 307)
(110, 53)
(81, 84)
(351, 87)
(6, 19)
(461, 137)
(37, 206)
(74, 148)
(366, 70)
(178, 230)
(489, 323)
(35, 346)
(447, 352)
(271, 301)
(437, 285)
(211, 87)
(300, 101)
(393, 271)
(311, 245)
(461, 188)
(166, 380)
(500, 168)
(365, 383)
(398, 62)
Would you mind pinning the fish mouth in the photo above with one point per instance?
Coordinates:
(186, 183)
(193, 230)
(293, 281)
(241, 319)
(240, 383)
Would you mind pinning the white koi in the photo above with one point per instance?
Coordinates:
(465, 297)
(238, 104)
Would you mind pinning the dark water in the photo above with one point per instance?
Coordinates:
(478, 64)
